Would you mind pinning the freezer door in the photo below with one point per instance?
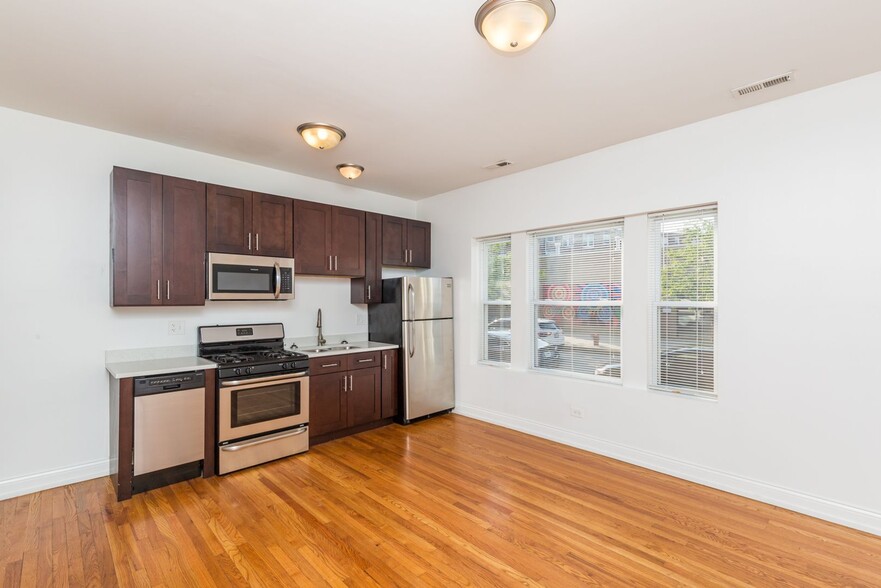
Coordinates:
(427, 298)
(428, 367)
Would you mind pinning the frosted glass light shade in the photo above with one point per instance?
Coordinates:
(514, 25)
(320, 135)
(350, 171)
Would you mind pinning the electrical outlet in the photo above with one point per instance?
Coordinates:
(176, 327)
(576, 411)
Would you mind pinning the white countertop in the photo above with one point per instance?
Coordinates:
(152, 367)
(356, 347)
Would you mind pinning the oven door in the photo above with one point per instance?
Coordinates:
(262, 405)
(249, 277)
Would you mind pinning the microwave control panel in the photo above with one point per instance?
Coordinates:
(287, 280)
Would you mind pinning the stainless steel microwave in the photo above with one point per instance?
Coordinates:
(249, 277)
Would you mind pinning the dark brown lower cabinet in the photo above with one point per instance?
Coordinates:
(389, 383)
(328, 408)
(345, 395)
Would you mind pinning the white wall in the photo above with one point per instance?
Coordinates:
(55, 318)
(798, 183)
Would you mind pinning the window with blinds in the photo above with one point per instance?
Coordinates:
(682, 250)
(575, 275)
(495, 255)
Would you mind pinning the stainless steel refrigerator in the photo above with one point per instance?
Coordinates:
(417, 314)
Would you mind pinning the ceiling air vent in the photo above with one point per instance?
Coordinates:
(762, 84)
(501, 163)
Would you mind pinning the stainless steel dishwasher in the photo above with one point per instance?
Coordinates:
(169, 429)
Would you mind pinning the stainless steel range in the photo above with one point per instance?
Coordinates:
(262, 394)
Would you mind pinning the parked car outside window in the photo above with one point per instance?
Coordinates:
(549, 339)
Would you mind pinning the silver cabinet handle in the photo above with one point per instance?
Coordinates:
(247, 444)
(368, 291)
(384, 361)
(330, 263)
(365, 360)
(324, 365)
(336, 264)
(158, 291)
(257, 239)
(277, 278)
(345, 383)
(351, 383)
(168, 289)
(249, 241)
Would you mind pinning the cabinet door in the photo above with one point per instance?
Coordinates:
(389, 383)
(365, 404)
(328, 408)
(273, 225)
(368, 290)
(229, 220)
(312, 226)
(419, 243)
(183, 238)
(394, 240)
(136, 238)
(347, 228)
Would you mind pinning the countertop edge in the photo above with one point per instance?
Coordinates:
(361, 347)
(152, 367)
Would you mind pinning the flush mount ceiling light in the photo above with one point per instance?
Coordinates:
(350, 171)
(320, 135)
(514, 25)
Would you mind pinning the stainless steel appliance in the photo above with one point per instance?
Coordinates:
(418, 316)
(262, 394)
(249, 277)
(169, 429)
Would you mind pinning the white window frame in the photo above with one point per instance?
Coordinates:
(486, 302)
(535, 300)
(656, 304)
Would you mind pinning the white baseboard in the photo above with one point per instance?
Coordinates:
(61, 477)
(814, 506)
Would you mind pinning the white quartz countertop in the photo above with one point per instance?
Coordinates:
(354, 347)
(152, 367)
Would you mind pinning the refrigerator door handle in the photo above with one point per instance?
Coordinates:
(411, 348)
(411, 302)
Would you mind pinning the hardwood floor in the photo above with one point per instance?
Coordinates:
(451, 501)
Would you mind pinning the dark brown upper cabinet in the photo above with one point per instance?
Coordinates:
(406, 242)
(157, 239)
(328, 240)
(249, 223)
(368, 290)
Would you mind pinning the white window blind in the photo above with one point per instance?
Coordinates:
(576, 299)
(495, 255)
(682, 249)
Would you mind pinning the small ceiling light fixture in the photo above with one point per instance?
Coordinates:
(514, 25)
(321, 135)
(350, 171)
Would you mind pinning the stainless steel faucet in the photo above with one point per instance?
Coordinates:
(321, 339)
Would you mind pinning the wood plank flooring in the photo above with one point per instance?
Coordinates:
(447, 502)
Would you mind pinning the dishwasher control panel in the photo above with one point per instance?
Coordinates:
(169, 382)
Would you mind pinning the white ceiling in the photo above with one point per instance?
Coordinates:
(425, 101)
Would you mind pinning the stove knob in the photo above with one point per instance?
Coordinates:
(285, 366)
(238, 372)
(247, 370)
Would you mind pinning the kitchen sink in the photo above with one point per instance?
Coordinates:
(328, 348)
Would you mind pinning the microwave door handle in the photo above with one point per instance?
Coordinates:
(277, 280)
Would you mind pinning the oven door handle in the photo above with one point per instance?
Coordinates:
(262, 380)
(247, 444)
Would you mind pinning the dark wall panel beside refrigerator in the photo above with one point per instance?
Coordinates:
(417, 315)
